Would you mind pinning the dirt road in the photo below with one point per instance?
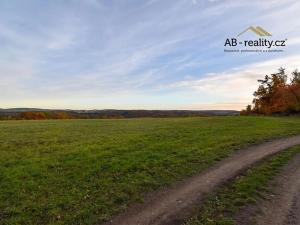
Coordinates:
(172, 205)
(282, 205)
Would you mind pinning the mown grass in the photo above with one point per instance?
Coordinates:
(221, 207)
(85, 171)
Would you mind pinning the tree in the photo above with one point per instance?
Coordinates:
(33, 115)
(275, 95)
(295, 77)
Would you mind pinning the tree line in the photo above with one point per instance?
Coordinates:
(40, 114)
(35, 116)
(276, 95)
(60, 115)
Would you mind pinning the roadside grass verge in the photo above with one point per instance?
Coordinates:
(85, 171)
(221, 206)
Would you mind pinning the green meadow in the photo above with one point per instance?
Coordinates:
(85, 171)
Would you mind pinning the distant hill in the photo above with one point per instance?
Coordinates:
(113, 113)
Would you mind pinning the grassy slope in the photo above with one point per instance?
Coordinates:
(83, 171)
(220, 208)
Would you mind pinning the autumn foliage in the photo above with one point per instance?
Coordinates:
(275, 95)
(44, 115)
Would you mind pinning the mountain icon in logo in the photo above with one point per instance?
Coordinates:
(257, 30)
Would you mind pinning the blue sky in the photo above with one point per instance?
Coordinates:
(133, 54)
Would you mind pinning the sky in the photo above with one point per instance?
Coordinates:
(138, 54)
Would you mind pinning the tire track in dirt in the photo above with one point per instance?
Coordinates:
(282, 205)
(172, 205)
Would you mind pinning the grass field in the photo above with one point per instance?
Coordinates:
(84, 171)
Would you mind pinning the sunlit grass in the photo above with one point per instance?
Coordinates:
(85, 171)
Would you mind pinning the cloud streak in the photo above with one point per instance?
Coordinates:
(89, 54)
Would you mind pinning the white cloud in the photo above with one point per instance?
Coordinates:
(235, 85)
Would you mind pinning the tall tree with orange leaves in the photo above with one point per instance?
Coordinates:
(275, 95)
